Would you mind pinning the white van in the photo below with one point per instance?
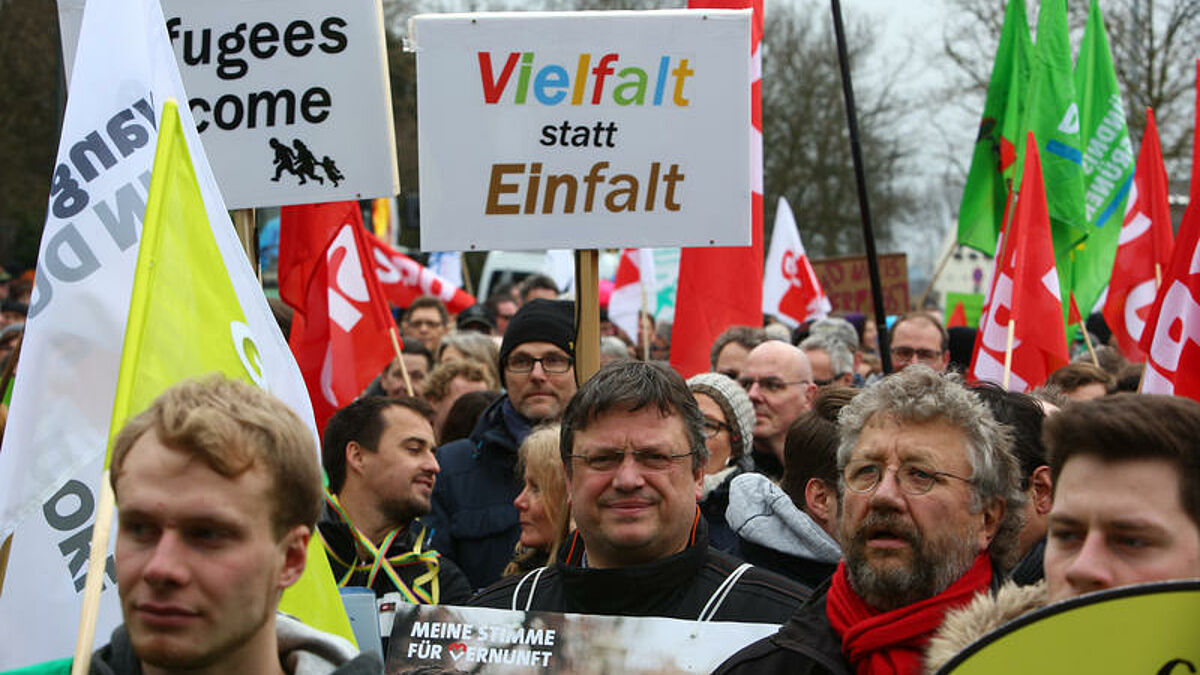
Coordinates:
(513, 266)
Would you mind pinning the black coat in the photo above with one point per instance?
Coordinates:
(675, 587)
(474, 522)
(807, 645)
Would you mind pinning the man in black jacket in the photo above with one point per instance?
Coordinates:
(378, 455)
(633, 450)
(474, 522)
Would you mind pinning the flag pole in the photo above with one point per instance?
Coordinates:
(645, 313)
(101, 533)
(860, 176)
(937, 273)
(587, 313)
(5, 548)
(246, 226)
(400, 358)
(1087, 340)
(1008, 352)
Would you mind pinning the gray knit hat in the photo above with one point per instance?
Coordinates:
(734, 402)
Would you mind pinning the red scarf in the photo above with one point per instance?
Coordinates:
(893, 642)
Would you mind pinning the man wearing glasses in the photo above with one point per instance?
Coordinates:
(929, 513)
(633, 450)
(426, 320)
(474, 522)
(778, 378)
(917, 337)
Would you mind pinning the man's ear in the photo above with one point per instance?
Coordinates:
(820, 501)
(993, 513)
(356, 457)
(1043, 490)
(698, 475)
(294, 547)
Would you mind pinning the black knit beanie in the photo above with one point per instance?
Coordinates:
(540, 320)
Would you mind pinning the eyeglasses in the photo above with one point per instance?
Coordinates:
(424, 323)
(907, 354)
(650, 460)
(713, 427)
(551, 363)
(772, 384)
(915, 479)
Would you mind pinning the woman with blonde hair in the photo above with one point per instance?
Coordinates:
(542, 505)
(472, 346)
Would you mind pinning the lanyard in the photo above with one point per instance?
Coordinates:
(378, 561)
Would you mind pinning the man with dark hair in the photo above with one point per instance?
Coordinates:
(730, 348)
(1080, 381)
(503, 307)
(790, 528)
(378, 455)
(427, 320)
(218, 490)
(418, 361)
(928, 515)
(1126, 472)
(917, 337)
(537, 286)
(474, 521)
(632, 446)
(1023, 415)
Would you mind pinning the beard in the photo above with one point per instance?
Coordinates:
(893, 579)
(400, 511)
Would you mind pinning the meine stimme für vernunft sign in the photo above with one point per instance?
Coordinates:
(584, 129)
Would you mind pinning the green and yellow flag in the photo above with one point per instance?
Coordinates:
(1108, 161)
(185, 320)
(993, 162)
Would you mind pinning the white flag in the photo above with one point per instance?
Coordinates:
(791, 290)
(633, 290)
(58, 427)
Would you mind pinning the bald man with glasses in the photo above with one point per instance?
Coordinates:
(778, 378)
(633, 451)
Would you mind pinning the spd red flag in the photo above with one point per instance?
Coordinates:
(340, 330)
(1144, 249)
(1025, 290)
(404, 279)
(719, 287)
(1172, 336)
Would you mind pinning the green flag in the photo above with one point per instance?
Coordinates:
(993, 162)
(185, 320)
(1053, 117)
(1108, 161)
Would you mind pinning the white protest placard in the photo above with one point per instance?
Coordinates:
(583, 129)
(291, 97)
(441, 638)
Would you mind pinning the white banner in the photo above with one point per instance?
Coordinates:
(584, 129)
(291, 97)
(58, 426)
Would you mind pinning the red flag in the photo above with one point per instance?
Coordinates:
(1172, 336)
(633, 290)
(791, 290)
(404, 279)
(719, 287)
(1074, 316)
(958, 318)
(1144, 249)
(1025, 290)
(340, 330)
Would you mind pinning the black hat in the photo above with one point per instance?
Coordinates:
(476, 317)
(540, 320)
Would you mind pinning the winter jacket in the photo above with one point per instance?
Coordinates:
(775, 534)
(302, 651)
(474, 522)
(714, 501)
(986, 613)
(454, 589)
(679, 586)
(807, 645)
(1029, 570)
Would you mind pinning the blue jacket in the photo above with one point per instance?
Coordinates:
(474, 522)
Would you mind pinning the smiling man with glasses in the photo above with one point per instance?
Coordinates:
(778, 378)
(474, 522)
(633, 450)
(929, 511)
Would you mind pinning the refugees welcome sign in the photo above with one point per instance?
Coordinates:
(583, 129)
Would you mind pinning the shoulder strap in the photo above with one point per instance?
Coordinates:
(537, 575)
(718, 597)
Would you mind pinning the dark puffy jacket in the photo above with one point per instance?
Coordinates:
(474, 522)
(678, 586)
